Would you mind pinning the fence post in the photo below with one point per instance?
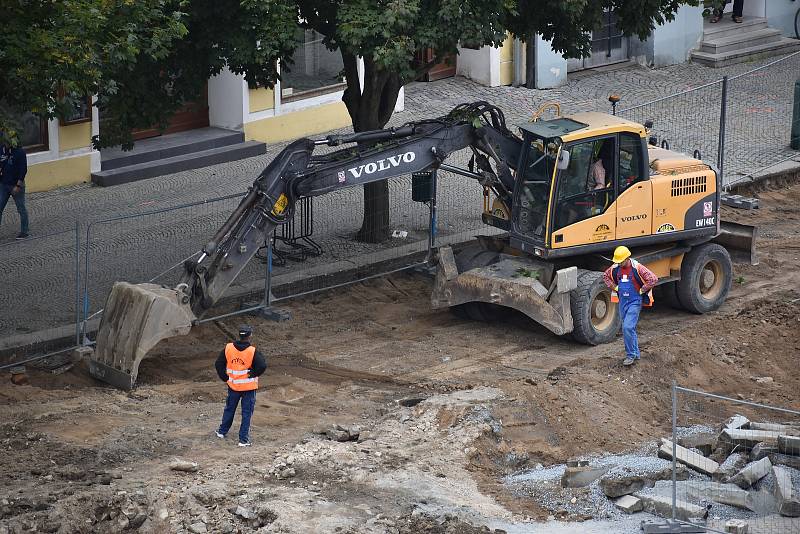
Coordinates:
(268, 278)
(77, 282)
(85, 326)
(674, 447)
(432, 221)
(722, 127)
(265, 310)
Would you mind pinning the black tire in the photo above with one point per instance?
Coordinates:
(797, 24)
(595, 318)
(460, 311)
(706, 274)
(668, 294)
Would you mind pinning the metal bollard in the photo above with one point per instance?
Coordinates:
(795, 143)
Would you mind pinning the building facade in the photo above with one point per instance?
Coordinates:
(307, 101)
(669, 44)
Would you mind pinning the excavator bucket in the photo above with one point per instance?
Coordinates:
(136, 317)
(740, 240)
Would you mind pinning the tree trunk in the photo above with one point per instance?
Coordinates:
(370, 109)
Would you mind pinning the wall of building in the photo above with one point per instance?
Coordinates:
(269, 119)
(674, 41)
(226, 100)
(506, 58)
(780, 15)
(69, 158)
(300, 123)
(551, 67)
(481, 65)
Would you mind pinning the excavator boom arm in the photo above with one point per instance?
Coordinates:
(297, 172)
(137, 317)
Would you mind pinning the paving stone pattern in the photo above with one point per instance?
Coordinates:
(39, 290)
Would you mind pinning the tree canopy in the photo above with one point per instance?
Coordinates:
(144, 59)
(54, 51)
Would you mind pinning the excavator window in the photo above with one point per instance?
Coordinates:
(630, 160)
(586, 186)
(533, 189)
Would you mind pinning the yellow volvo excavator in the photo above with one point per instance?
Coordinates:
(566, 192)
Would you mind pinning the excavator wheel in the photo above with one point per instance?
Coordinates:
(595, 318)
(471, 258)
(706, 274)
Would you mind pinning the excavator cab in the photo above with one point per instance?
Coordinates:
(571, 175)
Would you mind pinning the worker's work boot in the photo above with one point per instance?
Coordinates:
(628, 361)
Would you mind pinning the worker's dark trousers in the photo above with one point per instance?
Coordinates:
(248, 399)
(738, 7)
(19, 200)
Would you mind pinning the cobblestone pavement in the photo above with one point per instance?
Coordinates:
(42, 271)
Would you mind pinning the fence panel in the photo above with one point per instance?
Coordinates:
(739, 455)
(686, 122)
(759, 118)
(149, 247)
(39, 293)
(344, 258)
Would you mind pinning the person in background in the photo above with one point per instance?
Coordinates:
(597, 175)
(239, 365)
(13, 168)
(631, 285)
(738, 8)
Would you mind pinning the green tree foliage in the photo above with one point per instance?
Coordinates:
(144, 59)
(247, 36)
(52, 51)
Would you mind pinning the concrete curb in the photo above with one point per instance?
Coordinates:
(781, 175)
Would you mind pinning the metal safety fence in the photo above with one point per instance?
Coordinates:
(759, 119)
(147, 246)
(741, 123)
(736, 464)
(691, 121)
(39, 296)
(319, 249)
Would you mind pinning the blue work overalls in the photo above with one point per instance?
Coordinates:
(630, 304)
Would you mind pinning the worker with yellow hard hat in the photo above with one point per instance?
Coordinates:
(631, 285)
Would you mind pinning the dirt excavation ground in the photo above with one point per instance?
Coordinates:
(444, 410)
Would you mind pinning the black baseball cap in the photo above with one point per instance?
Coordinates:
(245, 330)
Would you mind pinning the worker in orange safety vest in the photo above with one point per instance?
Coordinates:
(239, 365)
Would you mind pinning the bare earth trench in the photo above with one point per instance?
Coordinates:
(498, 398)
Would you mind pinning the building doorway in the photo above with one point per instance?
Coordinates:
(191, 116)
(608, 45)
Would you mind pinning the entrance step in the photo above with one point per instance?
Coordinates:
(726, 42)
(726, 27)
(167, 146)
(778, 48)
(740, 41)
(182, 162)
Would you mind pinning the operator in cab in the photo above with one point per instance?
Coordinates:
(239, 365)
(631, 285)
